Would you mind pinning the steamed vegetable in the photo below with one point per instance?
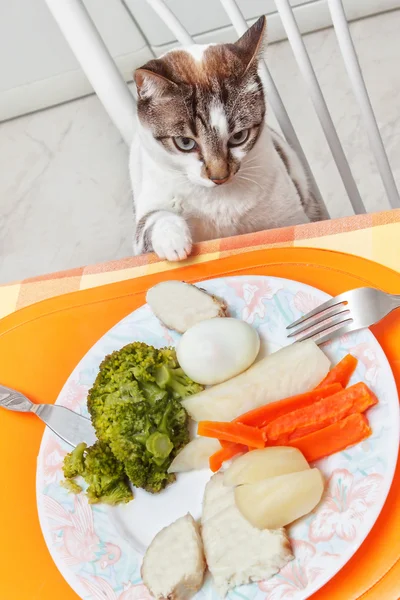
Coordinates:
(342, 372)
(225, 453)
(278, 501)
(195, 455)
(355, 399)
(216, 350)
(180, 305)
(135, 408)
(105, 476)
(232, 432)
(261, 464)
(332, 439)
(293, 370)
(74, 462)
(265, 414)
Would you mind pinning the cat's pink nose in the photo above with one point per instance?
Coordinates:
(219, 181)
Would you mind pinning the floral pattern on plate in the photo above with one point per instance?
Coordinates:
(95, 548)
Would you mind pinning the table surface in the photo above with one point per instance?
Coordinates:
(373, 236)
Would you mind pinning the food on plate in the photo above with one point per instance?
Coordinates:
(224, 454)
(104, 474)
(296, 418)
(215, 350)
(355, 399)
(180, 305)
(236, 552)
(264, 414)
(195, 455)
(267, 418)
(233, 432)
(278, 501)
(261, 464)
(173, 565)
(135, 408)
(293, 370)
(136, 411)
(342, 372)
(334, 438)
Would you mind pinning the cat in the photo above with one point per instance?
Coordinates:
(203, 163)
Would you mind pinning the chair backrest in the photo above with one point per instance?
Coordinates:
(304, 63)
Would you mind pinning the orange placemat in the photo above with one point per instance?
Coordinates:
(39, 347)
(372, 236)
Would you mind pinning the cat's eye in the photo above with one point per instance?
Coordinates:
(184, 144)
(239, 138)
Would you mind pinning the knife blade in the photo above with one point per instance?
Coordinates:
(70, 426)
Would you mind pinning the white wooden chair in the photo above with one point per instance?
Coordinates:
(99, 67)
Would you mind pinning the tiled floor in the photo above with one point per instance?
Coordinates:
(64, 187)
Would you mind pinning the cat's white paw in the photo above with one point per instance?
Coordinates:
(171, 238)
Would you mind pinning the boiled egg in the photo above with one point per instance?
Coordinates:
(217, 349)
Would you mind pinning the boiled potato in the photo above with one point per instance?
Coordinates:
(278, 501)
(194, 455)
(260, 464)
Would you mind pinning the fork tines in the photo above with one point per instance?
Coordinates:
(330, 316)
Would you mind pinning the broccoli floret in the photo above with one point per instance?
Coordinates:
(104, 474)
(71, 486)
(135, 409)
(120, 493)
(170, 376)
(74, 462)
(158, 479)
(174, 379)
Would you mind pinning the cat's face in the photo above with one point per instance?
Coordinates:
(205, 106)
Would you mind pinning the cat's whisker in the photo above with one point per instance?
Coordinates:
(251, 181)
(254, 172)
(252, 168)
(250, 160)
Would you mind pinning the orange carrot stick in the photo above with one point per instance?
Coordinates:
(232, 432)
(341, 373)
(259, 417)
(355, 399)
(218, 458)
(225, 444)
(336, 437)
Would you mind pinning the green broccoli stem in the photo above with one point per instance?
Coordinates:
(174, 379)
(71, 486)
(163, 426)
(159, 445)
(152, 391)
(74, 462)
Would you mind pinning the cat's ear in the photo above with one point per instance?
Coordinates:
(153, 85)
(251, 44)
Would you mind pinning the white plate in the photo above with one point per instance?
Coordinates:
(98, 549)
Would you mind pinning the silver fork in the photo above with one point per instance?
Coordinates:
(347, 312)
(67, 424)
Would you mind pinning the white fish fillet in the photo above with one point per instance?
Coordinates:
(173, 566)
(293, 370)
(236, 552)
(181, 305)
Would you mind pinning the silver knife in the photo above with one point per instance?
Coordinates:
(67, 424)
